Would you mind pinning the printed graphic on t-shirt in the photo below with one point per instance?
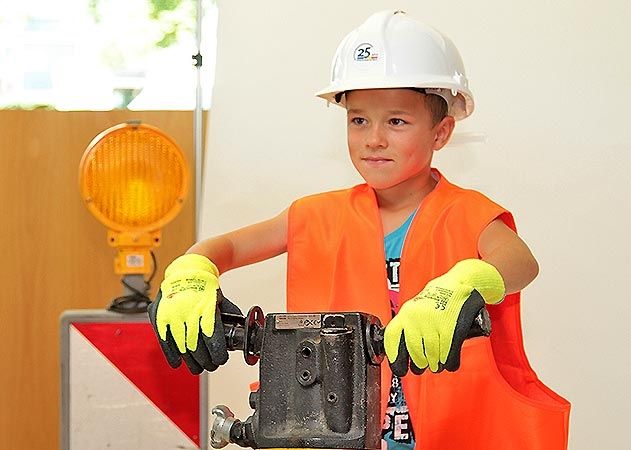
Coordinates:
(392, 267)
(397, 431)
(397, 428)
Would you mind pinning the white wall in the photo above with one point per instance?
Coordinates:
(551, 82)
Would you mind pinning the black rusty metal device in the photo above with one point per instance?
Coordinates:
(319, 380)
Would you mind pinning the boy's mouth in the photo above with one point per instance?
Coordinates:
(375, 160)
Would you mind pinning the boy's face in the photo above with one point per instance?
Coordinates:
(391, 136)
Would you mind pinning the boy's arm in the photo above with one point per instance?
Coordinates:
(500, 246)
(246, 245)
(430, 328)
(185, 315)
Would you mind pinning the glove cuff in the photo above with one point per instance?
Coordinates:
(191, 261)
(483, 277)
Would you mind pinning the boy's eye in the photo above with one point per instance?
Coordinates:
(397, 122)
(358, 120)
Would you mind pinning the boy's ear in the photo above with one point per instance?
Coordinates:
(443, 131)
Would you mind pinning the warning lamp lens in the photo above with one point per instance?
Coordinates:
(133, 177)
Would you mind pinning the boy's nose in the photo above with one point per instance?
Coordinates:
(376, 138)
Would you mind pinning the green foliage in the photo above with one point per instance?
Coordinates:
(169, 37)
(158, 6)
(174, 17)
(93, 7)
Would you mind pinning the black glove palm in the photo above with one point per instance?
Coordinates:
(210, 353)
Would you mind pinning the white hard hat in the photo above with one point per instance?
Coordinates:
(392, 50)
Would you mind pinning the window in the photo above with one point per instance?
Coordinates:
(105, 54)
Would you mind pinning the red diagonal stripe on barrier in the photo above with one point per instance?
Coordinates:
(134, 350)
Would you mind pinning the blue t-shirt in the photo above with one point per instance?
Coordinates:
(397, 432)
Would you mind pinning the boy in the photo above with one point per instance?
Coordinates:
(448, 252)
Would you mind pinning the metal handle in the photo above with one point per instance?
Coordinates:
(245, 333)
(481, 326)
(220, 429)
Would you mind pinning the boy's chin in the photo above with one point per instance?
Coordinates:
(380, 185)
(415, 183)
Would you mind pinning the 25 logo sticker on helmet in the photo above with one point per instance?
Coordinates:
(365, 52)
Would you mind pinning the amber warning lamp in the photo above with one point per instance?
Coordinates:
(133, 179)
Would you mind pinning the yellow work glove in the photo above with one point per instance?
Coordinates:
(430, 328)
(186, 316)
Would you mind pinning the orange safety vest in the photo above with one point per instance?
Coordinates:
(336, 262)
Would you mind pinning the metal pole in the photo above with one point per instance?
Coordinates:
(197, 142)
(197, 120)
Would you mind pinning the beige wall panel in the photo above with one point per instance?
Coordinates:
(55, 255)
(550, 81)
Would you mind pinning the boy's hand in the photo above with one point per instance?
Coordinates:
(431, 327)
(186, 317)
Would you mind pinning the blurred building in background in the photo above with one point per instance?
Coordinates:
(105, 54)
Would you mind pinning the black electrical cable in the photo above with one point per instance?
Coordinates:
(137, 301)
